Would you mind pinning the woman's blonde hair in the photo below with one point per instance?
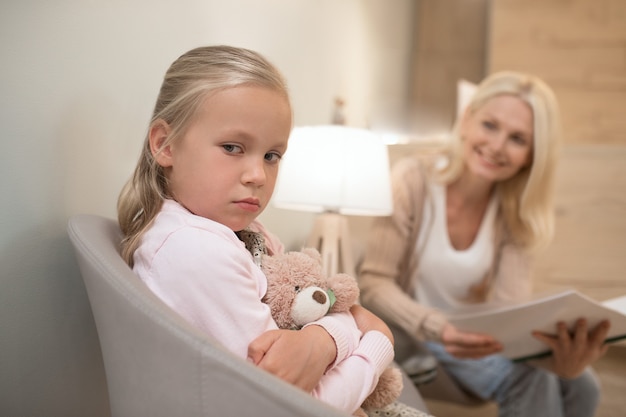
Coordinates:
(188, 81)
(526, 198)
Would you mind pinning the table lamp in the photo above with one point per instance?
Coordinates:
(334, 170)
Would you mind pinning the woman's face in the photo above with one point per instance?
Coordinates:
(498, 138)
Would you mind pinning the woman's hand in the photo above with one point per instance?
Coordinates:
(572, 353)
(367, 321)
(468, 345)
(299, 357)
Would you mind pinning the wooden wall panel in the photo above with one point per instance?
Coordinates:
(450, 43)
(589, 249)
(579, 48)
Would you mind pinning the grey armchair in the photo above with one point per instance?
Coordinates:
(157, 364)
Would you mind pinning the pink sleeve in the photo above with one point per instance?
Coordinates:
(343, 330)
(360, 371)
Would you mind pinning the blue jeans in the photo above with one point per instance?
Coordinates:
(521, 390)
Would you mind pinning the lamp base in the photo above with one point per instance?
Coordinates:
(331, 238)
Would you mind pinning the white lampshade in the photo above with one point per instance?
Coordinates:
(335, 169)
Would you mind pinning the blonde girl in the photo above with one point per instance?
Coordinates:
(207, 170)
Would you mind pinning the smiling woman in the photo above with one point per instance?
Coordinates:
(470, 218)
(526, 188)
(498, 138)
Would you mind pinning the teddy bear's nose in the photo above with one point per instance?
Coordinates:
(319, 296)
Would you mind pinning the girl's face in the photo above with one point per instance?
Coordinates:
(498, 138)
(225, 166)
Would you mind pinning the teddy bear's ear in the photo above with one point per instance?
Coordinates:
(346, 292)
(313, 253)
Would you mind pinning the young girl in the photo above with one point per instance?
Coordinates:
(208, 169)
(463, 227)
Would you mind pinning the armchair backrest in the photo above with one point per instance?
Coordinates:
(157, 364)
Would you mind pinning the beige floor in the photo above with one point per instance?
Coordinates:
(612, 372)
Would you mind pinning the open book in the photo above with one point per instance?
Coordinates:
(512, 324)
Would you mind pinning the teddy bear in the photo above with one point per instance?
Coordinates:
(298, 292)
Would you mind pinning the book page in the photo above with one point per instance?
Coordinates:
(617, 304)
(512, 325)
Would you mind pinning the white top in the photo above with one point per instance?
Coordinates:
(202, 271)
(445, 274)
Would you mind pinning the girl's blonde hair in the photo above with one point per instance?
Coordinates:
(526, 198)
(188, 81)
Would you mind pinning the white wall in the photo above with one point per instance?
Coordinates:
(78, 81)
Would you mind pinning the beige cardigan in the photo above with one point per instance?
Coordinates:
(388, 266)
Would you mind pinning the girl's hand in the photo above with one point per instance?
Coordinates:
(572, 353)
(299, 357)
(468, 345)
(367, 321)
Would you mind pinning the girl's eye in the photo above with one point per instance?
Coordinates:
(518, 139)
(230, 148)
(273, 157)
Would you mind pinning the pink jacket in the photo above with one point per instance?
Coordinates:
(202, 270)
